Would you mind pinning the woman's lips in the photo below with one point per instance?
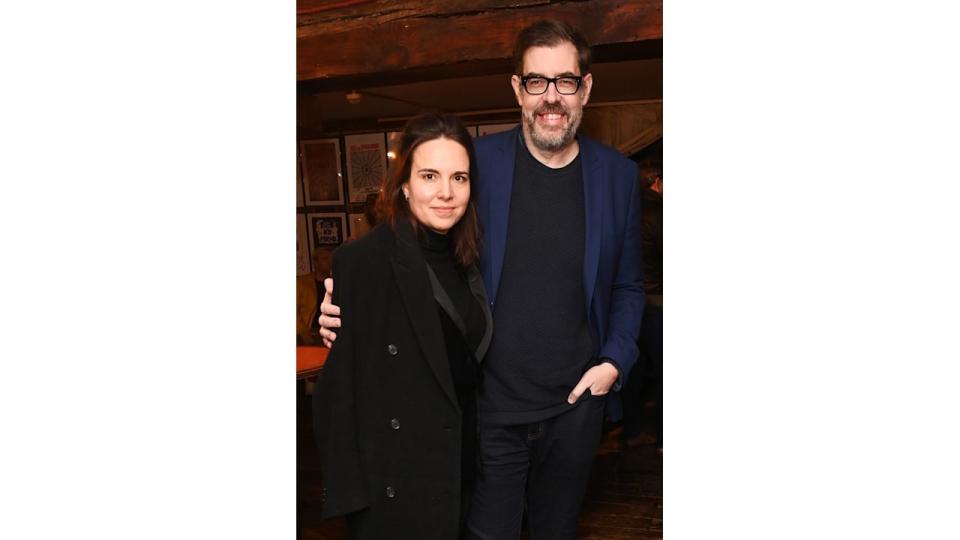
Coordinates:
(444, 210)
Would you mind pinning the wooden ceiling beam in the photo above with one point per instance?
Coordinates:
(316, 17)
(619, 52)
(361, 38)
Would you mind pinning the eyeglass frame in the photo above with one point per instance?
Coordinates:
(525, 78)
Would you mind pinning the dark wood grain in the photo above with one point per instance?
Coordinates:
(398, 41)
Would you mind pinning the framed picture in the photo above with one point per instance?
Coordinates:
(473, 131)
(323, 180)
(366, 164)
(303, 248)
(495, 128)
(299, 183)
(326, 229)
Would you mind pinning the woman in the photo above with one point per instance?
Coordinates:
(395, 409)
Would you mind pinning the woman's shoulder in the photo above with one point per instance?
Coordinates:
(378, 244)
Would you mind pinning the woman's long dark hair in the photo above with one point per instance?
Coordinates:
(393, 207)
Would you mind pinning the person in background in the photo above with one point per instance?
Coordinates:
(561, 262)
(651, 331)
(362, 225)
(395, 408)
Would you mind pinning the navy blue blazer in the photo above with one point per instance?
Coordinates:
(613, 293)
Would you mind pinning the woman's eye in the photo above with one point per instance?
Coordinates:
(428, 176)
(461, 178)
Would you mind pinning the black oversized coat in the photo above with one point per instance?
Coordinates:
(386, 414)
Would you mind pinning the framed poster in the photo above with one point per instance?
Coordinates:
(473, 131)
(323, 180)
(326, 229)
(303, 249)
(366, 164)
(495, 128)
(299, 184)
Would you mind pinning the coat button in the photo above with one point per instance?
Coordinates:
(392, 349)
(391, 493)
(394, 423)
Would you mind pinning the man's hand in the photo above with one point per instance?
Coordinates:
(329, 315)
(598, 379)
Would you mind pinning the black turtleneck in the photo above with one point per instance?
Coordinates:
(438, 252)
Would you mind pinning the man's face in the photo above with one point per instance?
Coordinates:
(551, 119)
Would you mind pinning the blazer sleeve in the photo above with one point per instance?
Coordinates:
(335, 418)
(628, 298)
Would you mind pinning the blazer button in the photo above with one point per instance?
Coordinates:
(391, 493)
(395, 424)
(392, 349)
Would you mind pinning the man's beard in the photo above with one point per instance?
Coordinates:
(552, 141)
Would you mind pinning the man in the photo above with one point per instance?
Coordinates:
(561, 265)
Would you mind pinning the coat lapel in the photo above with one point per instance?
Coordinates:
(410, 272)
(475, 283)
(475, 280)
(593, 199)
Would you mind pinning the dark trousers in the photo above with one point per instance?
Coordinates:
(547, 464)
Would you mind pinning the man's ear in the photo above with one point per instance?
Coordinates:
(515, 83)
(587, 86)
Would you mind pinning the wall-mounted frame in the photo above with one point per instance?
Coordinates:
(366, 164)
(322, 177)
(299, 182)
(326, 229)
(303, 248)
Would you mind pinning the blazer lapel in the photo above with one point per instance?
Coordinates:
(410, 271)
(593, 199)
(498, 177)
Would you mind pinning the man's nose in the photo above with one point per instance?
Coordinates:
(552, 94)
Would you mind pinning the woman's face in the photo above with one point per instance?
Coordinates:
(438, 189)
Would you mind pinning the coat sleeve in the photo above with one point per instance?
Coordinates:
(335, 413)
(628, 298)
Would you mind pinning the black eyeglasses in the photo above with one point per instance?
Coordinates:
(536, 85)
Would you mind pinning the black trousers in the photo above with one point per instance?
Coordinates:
(545, 464)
